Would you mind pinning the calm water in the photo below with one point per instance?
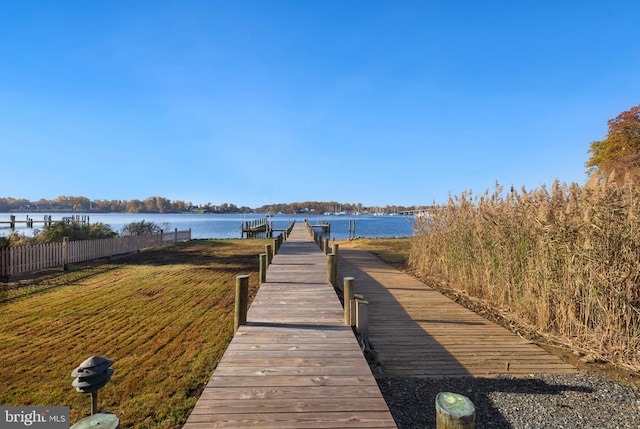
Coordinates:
(228, 226)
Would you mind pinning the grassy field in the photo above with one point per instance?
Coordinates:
(165, 316)
(392, 250)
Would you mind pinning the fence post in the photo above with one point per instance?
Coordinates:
(175, 236)
(65, 253)
(348, 297)
(263, 268)
(242, 301)
(454, 411)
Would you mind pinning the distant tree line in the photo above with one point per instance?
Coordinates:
(82, 204)
(163, 205)
(317, 207)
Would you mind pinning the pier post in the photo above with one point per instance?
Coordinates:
(269, 253)
(331, 269)
(263, 267)
(362, 316)
(348, 297)
(12, 221)
(454, 411)
(242, 301)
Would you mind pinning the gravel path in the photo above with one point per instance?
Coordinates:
(545, 401)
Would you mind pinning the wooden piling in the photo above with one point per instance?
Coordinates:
(454, 411)
(331, 269)
(269, 253)
(263, 267)
(362, 316)
(242, 301)
(348, 297)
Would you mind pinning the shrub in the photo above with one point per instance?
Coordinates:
(75, 231)
(141, 228)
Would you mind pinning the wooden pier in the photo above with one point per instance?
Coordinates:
(324, 226)
(252, 228)
(47, 220)
(295, 364)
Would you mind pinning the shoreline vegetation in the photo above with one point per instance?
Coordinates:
(563, 263)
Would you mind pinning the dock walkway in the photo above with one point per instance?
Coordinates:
(295, 364)
(418, 332)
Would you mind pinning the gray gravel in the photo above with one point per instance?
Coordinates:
(544, 401)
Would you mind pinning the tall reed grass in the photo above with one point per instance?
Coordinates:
(565, 262)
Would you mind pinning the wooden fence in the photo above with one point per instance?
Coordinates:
(23, 259)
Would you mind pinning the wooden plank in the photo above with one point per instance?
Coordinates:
(290, 392)
(311, 420)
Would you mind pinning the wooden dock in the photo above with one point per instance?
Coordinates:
(47, 220)
(253, 228)
(418, 332)
(295, 364)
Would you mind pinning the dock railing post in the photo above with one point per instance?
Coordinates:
(263, 267)
(348, 297)
(362, 316)
(454, 411)
(269, 253)
(242, 301)
(331, 269)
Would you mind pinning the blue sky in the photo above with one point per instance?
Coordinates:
(258, 102)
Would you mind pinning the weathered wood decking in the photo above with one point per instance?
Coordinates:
(295, 364)
(418, 332)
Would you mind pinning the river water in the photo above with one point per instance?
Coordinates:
(229, 225)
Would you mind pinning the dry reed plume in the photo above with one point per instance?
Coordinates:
(565, 262)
